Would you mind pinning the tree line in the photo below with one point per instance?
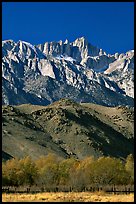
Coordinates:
(51, 170)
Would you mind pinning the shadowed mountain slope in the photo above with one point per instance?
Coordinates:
(68, 129)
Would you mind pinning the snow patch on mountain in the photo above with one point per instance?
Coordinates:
(67, 58)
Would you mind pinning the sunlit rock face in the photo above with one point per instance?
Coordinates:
(41, 74)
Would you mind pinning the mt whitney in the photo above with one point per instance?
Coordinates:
(41, 74)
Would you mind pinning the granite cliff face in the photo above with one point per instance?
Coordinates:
(42, 74)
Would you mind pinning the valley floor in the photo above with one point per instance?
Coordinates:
(67, 197)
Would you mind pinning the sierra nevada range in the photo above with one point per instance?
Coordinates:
(42, 74)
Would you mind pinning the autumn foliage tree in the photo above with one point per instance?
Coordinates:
(129, 166)
(17, 172)
(50, 170)
(47, 170)
(107, 170)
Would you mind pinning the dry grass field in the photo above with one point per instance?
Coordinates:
(67, 197)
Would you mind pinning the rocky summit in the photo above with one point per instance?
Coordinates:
(44, 73)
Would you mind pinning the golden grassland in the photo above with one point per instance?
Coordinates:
(67, 197)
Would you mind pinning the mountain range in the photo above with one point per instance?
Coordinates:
(68, 98)
(44, 73)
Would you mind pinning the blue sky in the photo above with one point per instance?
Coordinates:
(108, 25)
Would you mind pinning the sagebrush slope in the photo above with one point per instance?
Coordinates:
(67, 129)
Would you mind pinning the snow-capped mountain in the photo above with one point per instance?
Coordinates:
(41, 74)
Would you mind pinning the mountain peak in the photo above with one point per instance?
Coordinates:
(5, 41)
(64, 102)
(66, 41)
(82, 39)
